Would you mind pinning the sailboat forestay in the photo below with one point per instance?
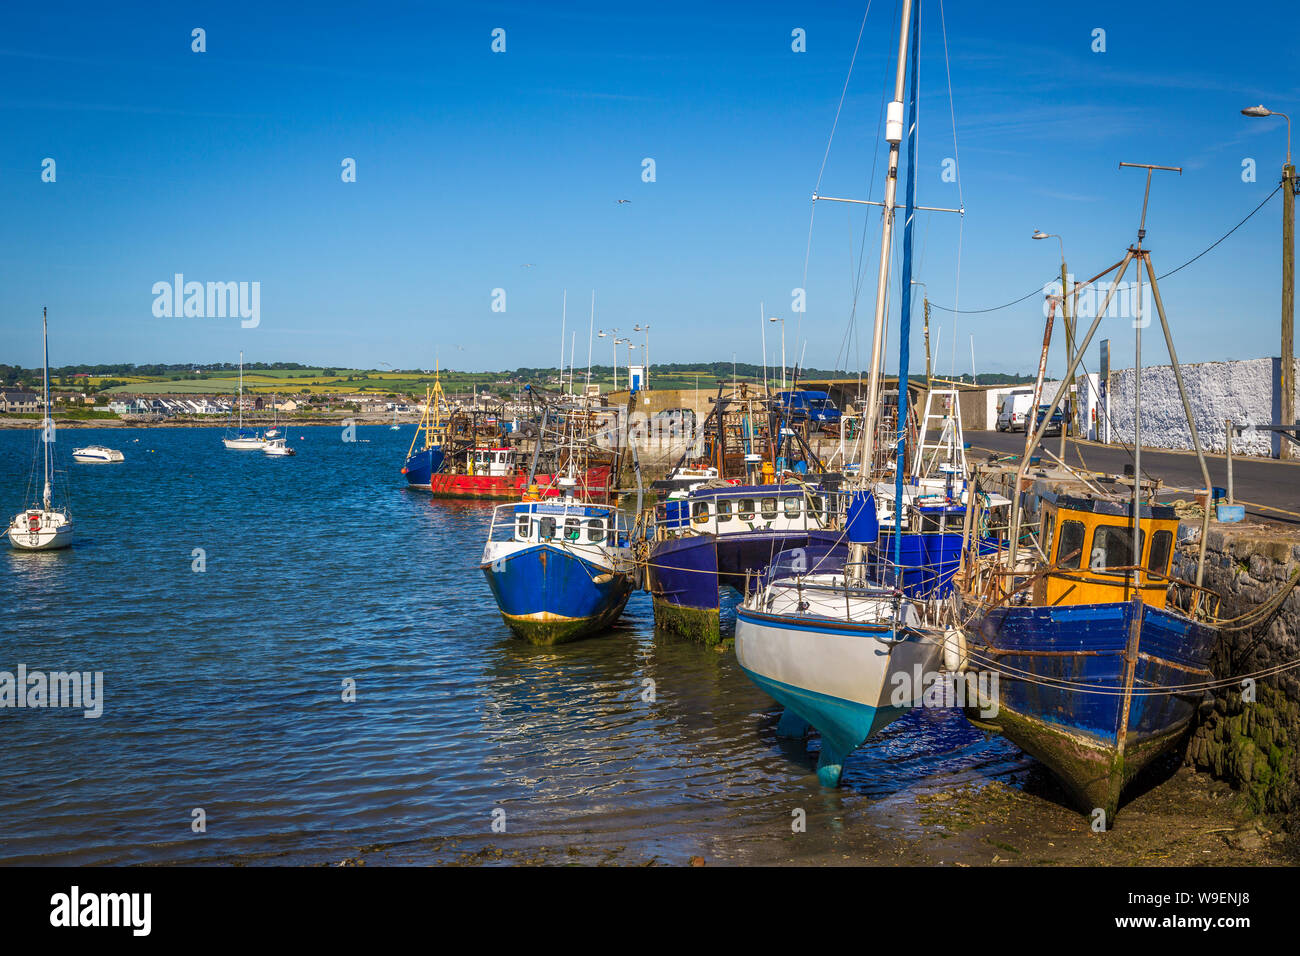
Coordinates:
(43, 527)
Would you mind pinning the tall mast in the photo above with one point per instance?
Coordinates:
(894, 136)
(239, 399)
(45, 438)
(905, 319)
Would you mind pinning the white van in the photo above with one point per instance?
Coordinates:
(1013, 411)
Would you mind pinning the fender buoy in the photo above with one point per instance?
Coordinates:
(955, 657)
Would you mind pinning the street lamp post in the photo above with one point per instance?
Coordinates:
(782, 321)
(1289, 186)
(645, 354)
(630, 346)
(617, 342)
(1068, 320)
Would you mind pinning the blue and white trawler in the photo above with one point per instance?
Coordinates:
(560, 569)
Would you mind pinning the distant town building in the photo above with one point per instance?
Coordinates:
(19, 401)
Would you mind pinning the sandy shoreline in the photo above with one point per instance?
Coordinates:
(1184, 819)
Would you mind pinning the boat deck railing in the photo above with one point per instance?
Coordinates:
(560, 521)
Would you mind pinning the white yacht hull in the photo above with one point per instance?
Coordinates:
(52, 531)
(840, 673)
(89, 456)
(244, 444)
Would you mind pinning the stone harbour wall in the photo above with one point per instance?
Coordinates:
(1255, 745)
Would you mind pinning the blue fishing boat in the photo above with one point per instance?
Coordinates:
(421, 465)
(1099, 672)
(716, 536)
(559, 569)
(1103, 657)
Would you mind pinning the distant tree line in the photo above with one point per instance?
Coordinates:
(115, 374)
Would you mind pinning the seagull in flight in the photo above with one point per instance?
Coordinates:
(527, 265)
(621, 201)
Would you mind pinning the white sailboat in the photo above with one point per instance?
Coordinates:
(832, 635)
(241, 440)
(43, 527)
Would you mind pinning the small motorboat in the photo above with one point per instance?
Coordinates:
(278, 446)
(97, 455)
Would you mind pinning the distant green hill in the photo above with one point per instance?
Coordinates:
(295, 378)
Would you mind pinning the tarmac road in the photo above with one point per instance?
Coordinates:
(1269, 489)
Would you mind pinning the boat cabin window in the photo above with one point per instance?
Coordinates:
(1112, 547)
(546, 529)
(1049, 525)
(595, 531)
(1070, 548)
(521, 527)
(572, 529)
(700, 512)
(745, 509)
(768, 506)
(792, 507)
(818, 505)
(931, 523)
(1161, 546)
(724, 510)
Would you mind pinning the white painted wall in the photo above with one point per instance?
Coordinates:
(1244, 391)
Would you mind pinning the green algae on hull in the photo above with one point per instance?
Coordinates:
(545, 633)
(702, 624)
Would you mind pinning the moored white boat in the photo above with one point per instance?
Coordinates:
(43, 527)
(840, 655)
(97, 454)
(40, 529)
(242, 440)
(279, 447)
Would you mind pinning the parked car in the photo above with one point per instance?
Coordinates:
(1054, 426)
(1013, 412)
(808, 405)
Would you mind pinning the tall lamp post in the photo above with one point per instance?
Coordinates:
(617, 342)
(1068, 321)
(1288, 278)
(630, 346)
(782, 321)
(645, 354)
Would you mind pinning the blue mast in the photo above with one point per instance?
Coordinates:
(905, 320)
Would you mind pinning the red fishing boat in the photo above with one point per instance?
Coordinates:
(492, 472)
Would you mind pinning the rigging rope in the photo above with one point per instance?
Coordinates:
(1039, 290)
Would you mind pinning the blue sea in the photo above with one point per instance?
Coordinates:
(229, 599)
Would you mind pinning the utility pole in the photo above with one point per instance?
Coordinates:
(1068, 321)
(1286, 381)
(1289, 186)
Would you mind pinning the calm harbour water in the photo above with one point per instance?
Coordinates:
(223, 689)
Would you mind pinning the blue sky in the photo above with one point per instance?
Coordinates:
(225, 166)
